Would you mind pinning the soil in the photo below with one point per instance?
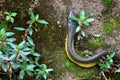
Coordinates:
(50, 40)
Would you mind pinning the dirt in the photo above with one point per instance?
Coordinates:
(50, 41)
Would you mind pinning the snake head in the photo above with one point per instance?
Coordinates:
(71, 23)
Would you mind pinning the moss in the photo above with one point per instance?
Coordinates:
(3, 25)
(78, 71)
(110, 24)
(94, 43)
(107, 3)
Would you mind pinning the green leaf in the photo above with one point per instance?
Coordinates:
(6, 13)
(32, 16)
(12, 20)
(79, 22)
(14, 14)
(77, 29)
(21, 74)
(42, 21)
(19, 28)
(37, 17)
(3, 57)
(4, 67)
(30, 40)
(90, 20)
(118, 70)
(79, 37)
(8, 18)
(97, 35)
(29, 22)
(85, 23)
(36, 54)
(2, 30)
(43, 66)
(26, 49)
(48, 70)
(12, 57)
(11, 39)
(30, 67)
(82, 15)
(83, 33)
(74, 18)
(44, 76)
(110, 56)
(9, 33)
(21, 43)
(30, 30)
(111, 61)
(15, 65)
(12, 45)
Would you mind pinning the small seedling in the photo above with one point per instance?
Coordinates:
(10, 16)
(82, 20)
(108, 62)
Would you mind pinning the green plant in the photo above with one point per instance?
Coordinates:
(108, 62)
(10, 16)
(21, 58)
(95, 42)
(82, 20)
(107, 3)
(110, 24)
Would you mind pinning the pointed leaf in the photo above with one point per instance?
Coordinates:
(30, 67)
(77, 29)
(12, 45)
(9, 33)
(83, 33)
(37, 17)
(4, 67)
(12, 20)
(6, 12)
(74, 18)
(82, 15)
(21, 43)
(42, 21)
(30, 40)
(14, 14)
(48, 70)
(118, 70)
(11, 39)
(85, 23)
(79, 37)
(21, 74)
(45, 76)
(36, 54)
(19, 28)
(90, 20)
(12, 57)
(29, 22)
(32, 16)
(30, 30)
(97, 35)
(7, 18)
(15, 65)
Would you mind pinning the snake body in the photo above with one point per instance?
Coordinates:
(69, 47)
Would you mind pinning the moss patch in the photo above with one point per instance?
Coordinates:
(78, 71)
(107, 3)
(94, 43)
(110, 24)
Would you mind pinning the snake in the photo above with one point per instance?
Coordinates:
(69, 47)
